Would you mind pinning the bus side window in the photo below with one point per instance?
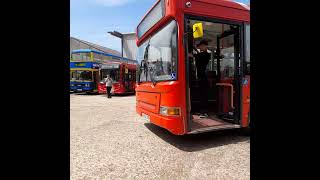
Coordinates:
(247, 49)
(133, 75)
(124, 73)
(129, 73)
(132, 72)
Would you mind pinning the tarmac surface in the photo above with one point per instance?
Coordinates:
(110, 141)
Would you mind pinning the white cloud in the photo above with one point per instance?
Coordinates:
(112, 3)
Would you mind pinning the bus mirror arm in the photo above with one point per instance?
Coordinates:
(154, 82)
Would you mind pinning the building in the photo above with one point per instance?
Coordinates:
(129, 46)
(81, 44)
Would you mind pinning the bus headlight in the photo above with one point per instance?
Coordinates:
(170, 111)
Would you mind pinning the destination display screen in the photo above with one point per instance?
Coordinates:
(155, 15)
(80, 64)
(110, 66)
(83, 65)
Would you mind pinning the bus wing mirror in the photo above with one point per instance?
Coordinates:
(197, 30)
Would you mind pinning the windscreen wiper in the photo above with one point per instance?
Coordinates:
(139, 73)
(152, 72)
(143, 62)
(146, 57)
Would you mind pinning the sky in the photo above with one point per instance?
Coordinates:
(91, 20)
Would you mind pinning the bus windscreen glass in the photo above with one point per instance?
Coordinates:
(81, 56)
(76, 75)
(158, 55)
(114, 73)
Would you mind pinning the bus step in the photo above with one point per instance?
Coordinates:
(214, 128)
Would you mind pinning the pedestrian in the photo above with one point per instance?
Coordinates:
(108, 82)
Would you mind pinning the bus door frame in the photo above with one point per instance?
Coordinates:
(95, 78)
(238, 71)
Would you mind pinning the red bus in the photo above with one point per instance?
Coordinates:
(167, 91)
(122, 73)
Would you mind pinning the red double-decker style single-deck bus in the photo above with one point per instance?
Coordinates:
(170, 85)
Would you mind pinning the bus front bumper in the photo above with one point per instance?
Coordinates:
(174, 124)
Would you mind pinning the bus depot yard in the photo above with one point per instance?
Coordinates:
(110, 141)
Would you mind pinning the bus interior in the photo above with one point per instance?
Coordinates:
(222, 76)
(114, 74)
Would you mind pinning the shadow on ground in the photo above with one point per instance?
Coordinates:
(124, 95)
(91, 94)
(83, 93)
(198, 142)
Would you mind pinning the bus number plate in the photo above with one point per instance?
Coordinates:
(145, 117)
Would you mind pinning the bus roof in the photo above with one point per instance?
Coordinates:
(225, 3)
(99, 52)
(226, 9)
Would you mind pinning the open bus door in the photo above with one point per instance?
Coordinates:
(229, 87)
(225, 108)
(96, 80)
(126, 79)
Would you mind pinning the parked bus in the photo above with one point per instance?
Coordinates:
(88, 68)
(122, 73)
(167, 90)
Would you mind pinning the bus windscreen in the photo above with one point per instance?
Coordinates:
(76, 75)
(83, 56)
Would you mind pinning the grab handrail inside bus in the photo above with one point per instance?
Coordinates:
(228, 85)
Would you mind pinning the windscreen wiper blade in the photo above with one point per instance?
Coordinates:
(139, 75)
(143, 62)
(152, 72)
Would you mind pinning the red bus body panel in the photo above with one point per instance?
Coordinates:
(245, 101)
(164, 94)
